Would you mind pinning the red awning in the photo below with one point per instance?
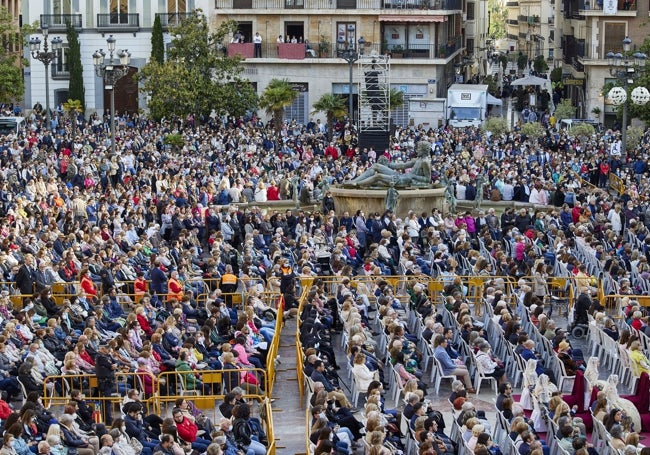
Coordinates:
(411, 18)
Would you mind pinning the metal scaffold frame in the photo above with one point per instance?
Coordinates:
(374, 93)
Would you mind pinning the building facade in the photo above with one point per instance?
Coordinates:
(129, 21)
(592, 29)
(424, 38)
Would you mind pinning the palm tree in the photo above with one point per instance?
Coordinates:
(73, 107)
(277, 96)
(333, 106)
(396, 98)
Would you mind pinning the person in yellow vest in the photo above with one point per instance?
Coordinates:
(229, 284)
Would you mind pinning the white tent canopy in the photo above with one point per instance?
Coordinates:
(533, 80)
(494, 101)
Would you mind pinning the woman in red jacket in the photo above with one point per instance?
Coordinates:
(141, 316)
(87, 283)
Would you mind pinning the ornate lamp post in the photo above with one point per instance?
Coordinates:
(624, 69)
(46, 56)
(350, 55)
(111, 71)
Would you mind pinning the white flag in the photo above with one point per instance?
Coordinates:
(610, 6)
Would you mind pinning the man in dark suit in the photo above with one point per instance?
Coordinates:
(158, 280)
(25, 276)
(105, 368)
(332, 392)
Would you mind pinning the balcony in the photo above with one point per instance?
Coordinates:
(271, 5)
(594, 8)
(396, 51)
(168, 20)
(118, 22)
(58, 22)
(530, 20)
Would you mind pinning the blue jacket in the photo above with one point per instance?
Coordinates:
(158, 281)
(448, 365)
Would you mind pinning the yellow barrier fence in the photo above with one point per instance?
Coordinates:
(56, 390)
(274, 346)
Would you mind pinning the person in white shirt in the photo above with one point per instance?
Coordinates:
(507, 191)
(257, 41)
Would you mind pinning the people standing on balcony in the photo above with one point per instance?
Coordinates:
(257, 41)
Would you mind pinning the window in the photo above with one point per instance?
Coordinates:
(60, 66)
(299, 109)
(470, 10)
(294, 30)
(469, 47)
(119, 6)
(176, 6)
(614, 36)
(61, 7)
(347, 32)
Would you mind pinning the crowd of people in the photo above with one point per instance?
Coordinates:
(128, 262)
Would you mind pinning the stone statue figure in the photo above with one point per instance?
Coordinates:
(614, 400)
(391, 197)
(382, 175)
(295, 181)
(480, 181)
(450, 192)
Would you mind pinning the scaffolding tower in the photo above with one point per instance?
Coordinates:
(374, 93)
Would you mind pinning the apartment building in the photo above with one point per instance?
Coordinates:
(129, 21)
(591, 29)
(424, 38)
(530, 27)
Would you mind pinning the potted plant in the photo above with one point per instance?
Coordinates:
(397, 51)
(442, 51)
(596, 111)
(324, 46)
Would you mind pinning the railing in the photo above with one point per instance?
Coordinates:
(56, 392)
(300, 51)
(58, 22)
(339, 4)
(171, 19)
(115, 21)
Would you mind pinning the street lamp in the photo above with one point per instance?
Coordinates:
(111, 72)
(347, 52)
(624, 69)
(45, 56)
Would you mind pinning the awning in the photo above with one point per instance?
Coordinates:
(494, 101)
(411, 18)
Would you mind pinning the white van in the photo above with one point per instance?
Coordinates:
(11, 124)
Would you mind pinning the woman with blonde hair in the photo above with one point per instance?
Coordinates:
(638, 361)
(376, 442)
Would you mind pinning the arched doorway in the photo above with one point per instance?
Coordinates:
(126, 94)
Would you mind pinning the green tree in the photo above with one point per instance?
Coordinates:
(197, 77)
(564, 110)
(395, 98)
(522, 61)
(493, 84)
(76, 84)
(277, 96)
(496, 125)
(532, 130)
(333, 106)
(12, 86)
(641, 79)
(157, 42)
(539, 64)
(498, 19)
(583, 130)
